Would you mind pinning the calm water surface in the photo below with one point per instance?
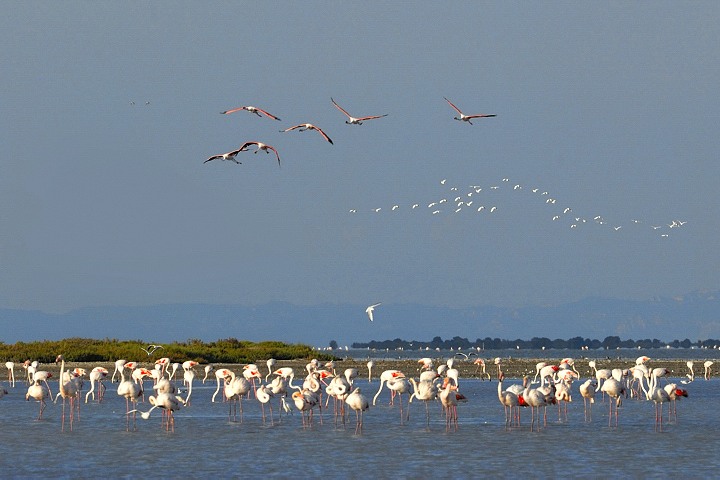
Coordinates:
(205, 442)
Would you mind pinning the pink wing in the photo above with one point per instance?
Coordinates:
(267, 114)
(276, 153)
(372, 117)
(340, 108)
(293, 128)
(323, 134)
(482, 115)
(227, 112)
(453, 106)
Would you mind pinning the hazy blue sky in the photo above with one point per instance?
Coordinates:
(610, 107)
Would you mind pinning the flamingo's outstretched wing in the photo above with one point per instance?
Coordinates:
(340, 108)
(453, 106)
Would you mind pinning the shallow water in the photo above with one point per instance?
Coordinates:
(205, 442)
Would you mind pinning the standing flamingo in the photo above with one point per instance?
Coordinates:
(169, 403)
(263, 394)
(97, 375)
(353, 120)
(426, 392)
(132, 391)
(538, 366)
(384, 378)
(481, 366)
(615, 390)
(220, 375)
(68, 390)
(691, 375)
(11, 373)
(39, 393)
(448, 398)
(358, 402)
(208, 369)
(271, 365)
(370, 365)
(467, 118)
(235, 389)
(587, 390)
(119, 365)
(708, 369)
(399, 385)
(509, 401)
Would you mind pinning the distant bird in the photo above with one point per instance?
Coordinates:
(225, 156)
(251, 109)
(352, 120)
(467, 118)
(309, 126)
(150, 349)
(260, 146)
(369, 310)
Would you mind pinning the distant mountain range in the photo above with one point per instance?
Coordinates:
(695, 316)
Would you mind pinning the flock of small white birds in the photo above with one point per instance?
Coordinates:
(324, 383)
(485, 199)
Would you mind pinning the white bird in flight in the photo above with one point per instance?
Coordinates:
(260, 146)
(225, 156)
(369, 310)
(466, 118)
(309, 126)
(352, 120)
(251, 109)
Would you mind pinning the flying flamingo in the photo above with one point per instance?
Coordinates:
(226, 156)
(369, 310)
(352, 120)
(358, 402)
(309, 126)
(467, 118)
(68, 390)
(251, 109)
(260, 146)
(11, 373)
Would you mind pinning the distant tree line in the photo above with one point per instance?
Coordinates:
(576, 343)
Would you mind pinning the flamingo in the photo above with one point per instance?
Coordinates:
(264, 394)
(119, 365)
(132, 391)
(674, 394)
(399, 385)
(467, 118)
(188, 377)
(97, 375)
(481, 366)
(508, 400)
(587, 390)
(39, 393)
(234, 390)
(370, 366)
(11, 373)
(615, 390)
(538, 366)
(225, 156)
(249, 108)
(427, 363)
(708, 369)
(449, 402)
(358, 402)
(424, 391)
(260, 146)
(305, 402)
(352, 120)
(339, 388)
(384, 378)
(270, 364)
(659, 396)
(309, 126)
(208, 369)
(691, 375)
(68, 390)
(220, 377)
(535, 399)
(169, 402)
(288, 374)
(369, 310)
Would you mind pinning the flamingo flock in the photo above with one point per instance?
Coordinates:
(276, 394)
